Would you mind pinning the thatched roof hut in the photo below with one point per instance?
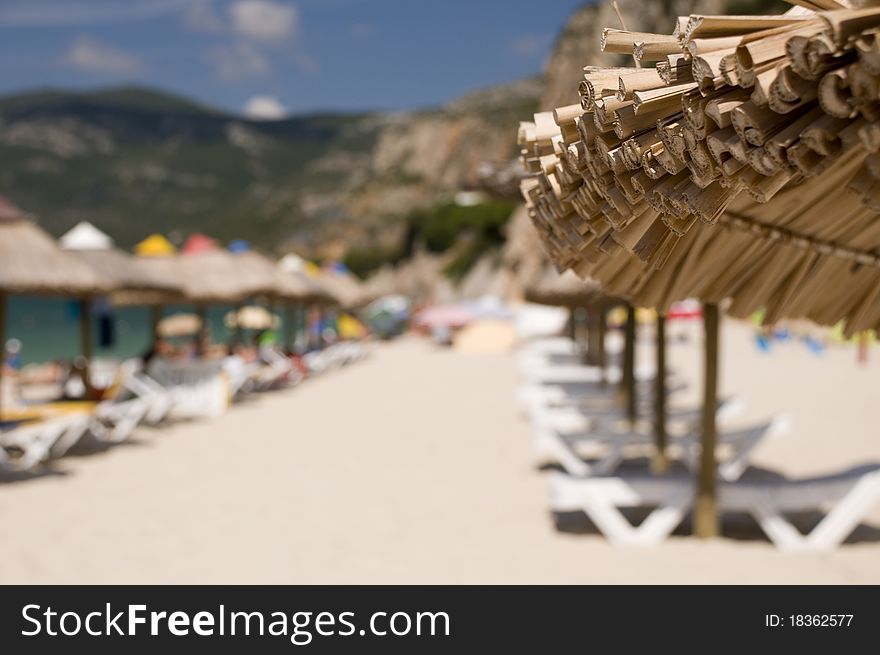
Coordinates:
(32, 263)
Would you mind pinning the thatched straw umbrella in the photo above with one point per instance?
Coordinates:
(156, 257)
(549, 287)
(214, 276)
(562, 289)
(291, 288)
(487, 277)
(32, 263)
(742, 167)
(419, 277)
(343, 286)
(383, 282)
(124, 272)
(131, 279)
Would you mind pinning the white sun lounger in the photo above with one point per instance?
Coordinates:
(160, 400)
(542, 374)
(38, 441)
(279, 370)
(850, 494)
(584, 416)
(113, 421)
(555, 346)
(613, 446)
(190, 389)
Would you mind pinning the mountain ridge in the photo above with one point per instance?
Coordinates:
(134, 159)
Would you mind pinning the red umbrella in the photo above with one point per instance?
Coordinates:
(685, 309)
(199, 243)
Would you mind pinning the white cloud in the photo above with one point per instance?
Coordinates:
(92, 56)
(238, 61)
(529, 45)
(263, 20)
(201, 17)
(264, 108)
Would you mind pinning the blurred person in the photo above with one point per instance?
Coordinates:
(12, 359)
(75, 385)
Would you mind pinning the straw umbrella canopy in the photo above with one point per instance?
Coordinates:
(131, 280)
(381, 283)
(418, 277)
(299, 281)
(302, 276)
(124, 272)
(32, 263)
(562, 289)
(485, 278)
(156, 257)
(344, 287)
(280, 283)
(216, 276)
(207, 274)
(743, 166)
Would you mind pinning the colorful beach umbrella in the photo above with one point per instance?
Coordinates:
(155, 245)
(198, 242)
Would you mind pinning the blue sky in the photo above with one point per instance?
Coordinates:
(279, 56)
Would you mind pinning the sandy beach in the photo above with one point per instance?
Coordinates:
(414, 466)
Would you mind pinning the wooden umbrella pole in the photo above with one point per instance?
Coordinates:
(202, 334)
(289, 327)
(301, 333)
(582, 338)
(236, 332)
(2, 344)
(628, 379)
(601, 329)
(706, 523)
(591, 356)
(155, 318)
(572, 324)
(661, 460)
(85, 323)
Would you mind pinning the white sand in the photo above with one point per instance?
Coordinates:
(410, 467)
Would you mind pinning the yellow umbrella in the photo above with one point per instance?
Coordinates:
(350, 328)
(155, 245)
